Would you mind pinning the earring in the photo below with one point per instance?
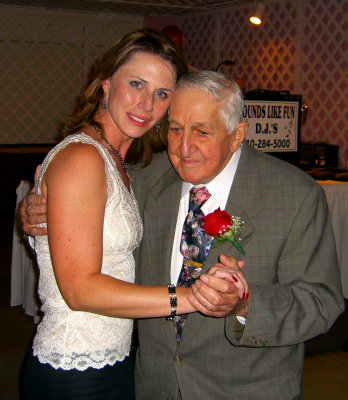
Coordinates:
(158, 126)
(104, 106)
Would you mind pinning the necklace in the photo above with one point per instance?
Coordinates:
(123, 163)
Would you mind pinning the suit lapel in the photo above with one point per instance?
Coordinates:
(160, 217)
(244, 201)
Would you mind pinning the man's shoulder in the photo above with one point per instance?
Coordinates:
(275, 170)
(145, 177)
(159, 165)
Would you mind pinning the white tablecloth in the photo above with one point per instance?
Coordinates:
(24, 272)
(337, 199)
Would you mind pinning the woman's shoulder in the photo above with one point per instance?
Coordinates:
(78, 154)
(78, 141)
(75, 147)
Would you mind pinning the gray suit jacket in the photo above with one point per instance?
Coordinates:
(291, 267)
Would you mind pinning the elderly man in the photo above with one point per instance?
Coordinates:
(254, 348)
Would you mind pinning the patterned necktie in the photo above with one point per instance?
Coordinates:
(194, 246)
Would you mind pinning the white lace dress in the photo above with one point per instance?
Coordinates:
(72, 339)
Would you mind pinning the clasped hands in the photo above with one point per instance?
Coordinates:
(222, 291)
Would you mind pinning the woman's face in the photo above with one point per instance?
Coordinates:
(138, 94)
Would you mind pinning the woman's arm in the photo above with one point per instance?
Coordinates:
(76, 189)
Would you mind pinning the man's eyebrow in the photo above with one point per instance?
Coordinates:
(173, 121)
(201, 124)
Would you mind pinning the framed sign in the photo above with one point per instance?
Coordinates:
(274, 124)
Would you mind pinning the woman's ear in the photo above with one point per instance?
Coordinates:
(106, 85)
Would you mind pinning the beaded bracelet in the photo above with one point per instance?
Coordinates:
(173, 302)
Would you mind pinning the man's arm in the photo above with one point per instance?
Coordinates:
(33, 211)
(305, 297)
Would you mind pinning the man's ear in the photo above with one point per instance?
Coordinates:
(239, 135)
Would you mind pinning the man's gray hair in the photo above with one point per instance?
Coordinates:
(221, 88)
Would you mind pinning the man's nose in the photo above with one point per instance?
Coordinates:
(187, 145)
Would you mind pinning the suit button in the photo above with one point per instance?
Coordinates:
(178, 359)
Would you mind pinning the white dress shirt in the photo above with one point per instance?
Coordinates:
(219, 189)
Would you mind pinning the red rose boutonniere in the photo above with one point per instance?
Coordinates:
(222, 227)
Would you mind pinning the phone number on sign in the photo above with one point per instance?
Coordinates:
(269, 144)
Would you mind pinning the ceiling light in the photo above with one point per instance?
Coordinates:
(256, 16)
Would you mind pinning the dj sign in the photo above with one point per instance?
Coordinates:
(273, 125)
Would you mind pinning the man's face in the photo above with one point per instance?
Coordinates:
(199, 146)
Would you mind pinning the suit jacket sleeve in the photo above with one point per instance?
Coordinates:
(300, 295)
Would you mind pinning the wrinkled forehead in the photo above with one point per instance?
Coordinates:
(185, 99)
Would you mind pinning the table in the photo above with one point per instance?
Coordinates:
(337, 199)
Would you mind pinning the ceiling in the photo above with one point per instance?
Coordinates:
(144, 7)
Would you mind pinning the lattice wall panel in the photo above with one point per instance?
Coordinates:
(265, 57)
(301, 46)
(325, 66)
(236, 44)
(43, 59)
(200, 40)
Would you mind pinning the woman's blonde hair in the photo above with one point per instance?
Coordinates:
(145, 40)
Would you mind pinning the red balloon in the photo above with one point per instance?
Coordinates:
(175, 34)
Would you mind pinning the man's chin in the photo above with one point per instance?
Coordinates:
(191, 178)
(187, 170)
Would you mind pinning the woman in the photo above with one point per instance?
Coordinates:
(81, 348)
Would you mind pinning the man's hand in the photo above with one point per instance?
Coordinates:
(217, 293)
(33, 211)
(230, 269)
